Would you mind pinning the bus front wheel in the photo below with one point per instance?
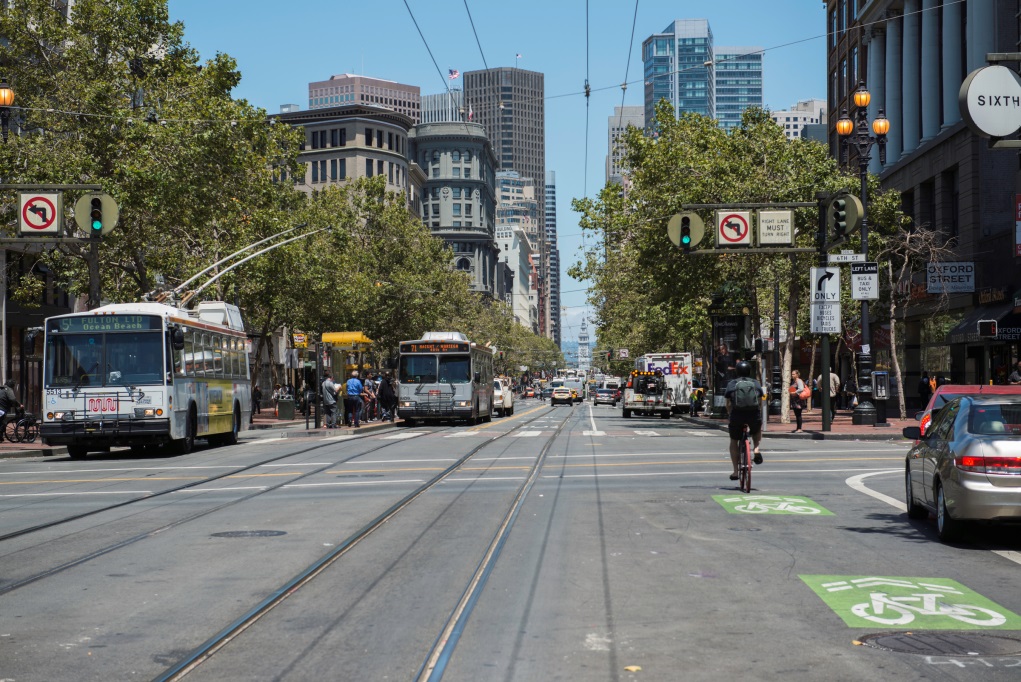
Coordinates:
(183, 446)
(77, 451)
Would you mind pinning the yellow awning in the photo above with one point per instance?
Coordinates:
(346, 339)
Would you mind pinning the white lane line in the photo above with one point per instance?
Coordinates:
(593, 433)
(605, 474)
(301, 464)
(350, 483)
(483, 478)
(50, 472)
(855, 482)
(526, 434)
(406, 434)
(645, 432)
(263, 441)
(107, 492)
(402, 461)
(592, 419)
(221, 490)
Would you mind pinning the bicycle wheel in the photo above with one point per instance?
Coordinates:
(745, 464)
(11, 432)
(26, 433)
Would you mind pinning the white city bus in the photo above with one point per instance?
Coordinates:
(145, 375)
(445, 376)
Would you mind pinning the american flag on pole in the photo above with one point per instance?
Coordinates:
(453, 73)
(517, 56)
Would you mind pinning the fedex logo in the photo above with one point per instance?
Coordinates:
(668, 368)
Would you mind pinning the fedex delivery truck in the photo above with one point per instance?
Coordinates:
(676, 370)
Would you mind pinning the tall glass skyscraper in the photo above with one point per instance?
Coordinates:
(679, 68)
(738, 83)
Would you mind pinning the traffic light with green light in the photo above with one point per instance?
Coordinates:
(96, 217)
(686, 233)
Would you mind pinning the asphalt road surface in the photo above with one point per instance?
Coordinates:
(562, 543)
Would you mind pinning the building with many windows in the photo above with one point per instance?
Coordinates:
(347, 89)
(808, 112)
(738, 83)
(509, 103)
(554, 255)
(516, 252)
(913, 56)
(458, 196)
(351, 141)
(679, 68)
(616, 126)
(446, 106)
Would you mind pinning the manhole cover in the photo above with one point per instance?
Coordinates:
(249, 534)
(944, 644)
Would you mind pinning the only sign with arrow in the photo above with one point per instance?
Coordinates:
(825, 300)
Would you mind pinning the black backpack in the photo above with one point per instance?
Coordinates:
(746, 395)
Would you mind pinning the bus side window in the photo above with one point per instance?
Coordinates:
(217, 368)
(181, 359)
(235, 359)
(204, 363)
(189, 353)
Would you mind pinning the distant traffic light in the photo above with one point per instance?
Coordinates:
(987, 329)
(686, 233)
(96, 217)
(839, 216)
(609, 355)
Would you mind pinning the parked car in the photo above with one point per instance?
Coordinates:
(947, 392)
(503, 398)
(606, 396)
(561, 394)
(967, 467)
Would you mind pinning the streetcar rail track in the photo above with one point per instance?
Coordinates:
(10, 587)
(218, 641)
(185, 486)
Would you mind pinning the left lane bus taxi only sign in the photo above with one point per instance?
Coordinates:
(39, 213)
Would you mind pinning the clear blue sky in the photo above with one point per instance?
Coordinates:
(282, 46)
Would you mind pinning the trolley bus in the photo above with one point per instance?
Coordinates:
(145, 375)
(445, 376)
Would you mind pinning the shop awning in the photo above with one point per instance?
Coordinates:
(346, 339)
(966, 331)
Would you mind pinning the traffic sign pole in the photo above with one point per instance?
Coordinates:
(824, 366)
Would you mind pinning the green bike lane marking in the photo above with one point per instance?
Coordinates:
(914, 603)
(786, 505)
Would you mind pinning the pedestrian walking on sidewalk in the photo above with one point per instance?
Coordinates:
(387, 397)
(256, 399)
(924, 389)
(834, 387)
(797, 402)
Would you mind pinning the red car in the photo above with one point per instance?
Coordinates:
(947, 392)
(530, 393)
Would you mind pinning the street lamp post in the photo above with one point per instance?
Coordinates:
(855, 134)
(6, 100)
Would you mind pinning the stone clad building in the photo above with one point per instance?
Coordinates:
(458, 198)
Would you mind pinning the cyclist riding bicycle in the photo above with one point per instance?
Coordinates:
(743, 396)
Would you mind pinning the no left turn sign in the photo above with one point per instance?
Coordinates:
(732, 228)
(39, 213)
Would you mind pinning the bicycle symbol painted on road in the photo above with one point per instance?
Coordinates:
(924, 603)
(771, 504)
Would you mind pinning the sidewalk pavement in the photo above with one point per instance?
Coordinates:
(263, 421)
(841, 428)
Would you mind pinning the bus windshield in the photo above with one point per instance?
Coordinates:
(121, 359)
(455, 369)
(418, 369)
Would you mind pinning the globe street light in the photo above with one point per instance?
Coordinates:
(855, 133)
(6, 100)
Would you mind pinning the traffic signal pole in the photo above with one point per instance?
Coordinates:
(94, 281)
(824, 364)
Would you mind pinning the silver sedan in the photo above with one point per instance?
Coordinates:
(967, 467)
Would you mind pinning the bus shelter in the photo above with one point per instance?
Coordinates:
(345, 351)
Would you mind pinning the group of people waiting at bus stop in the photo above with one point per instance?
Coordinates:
(368, 400)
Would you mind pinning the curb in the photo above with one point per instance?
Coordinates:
(890, 434)
(44, 451)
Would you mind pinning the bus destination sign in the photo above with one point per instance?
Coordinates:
(105, 323)
(435, 347)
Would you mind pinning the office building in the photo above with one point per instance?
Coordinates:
(458, 196)
(554, 255)
(616, 126)
(808, 112)
(351, 89)
(509, 103)
(516, 252)
(738, 83)
(352, 141)
(446, 106)
(679, 68)
(914, 55)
